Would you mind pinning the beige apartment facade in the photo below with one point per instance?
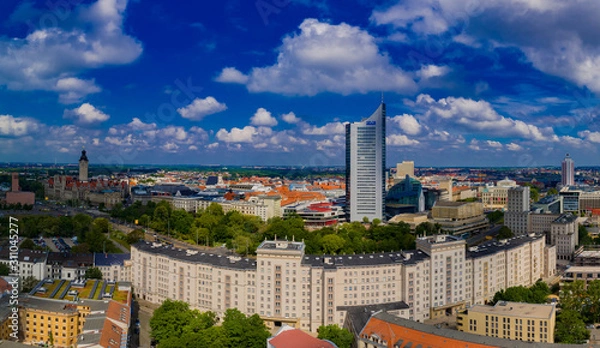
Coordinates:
(510, 320)
(285, 286)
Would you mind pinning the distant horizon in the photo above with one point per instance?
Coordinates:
(157, 166)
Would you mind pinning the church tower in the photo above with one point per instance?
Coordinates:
(83, 166)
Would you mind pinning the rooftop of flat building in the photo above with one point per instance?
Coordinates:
(450, 204)
(196, 256)
(516, 309)
(583, 269)
(281, 245)
(492, 247)
(565, 219)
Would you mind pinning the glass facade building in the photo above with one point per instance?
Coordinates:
(365, 167)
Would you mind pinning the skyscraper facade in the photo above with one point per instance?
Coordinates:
(365, 167)
(568, 171)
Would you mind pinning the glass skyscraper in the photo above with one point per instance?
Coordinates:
(365, 167)
(568, 171)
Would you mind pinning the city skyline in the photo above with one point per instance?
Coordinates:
(273, 83)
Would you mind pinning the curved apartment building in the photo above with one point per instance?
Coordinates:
(284, 285)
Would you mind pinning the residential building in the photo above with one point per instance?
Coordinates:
(568, 171)
(85, 323)
(365, 167)
(510, 320)
(286, 286)
(541, 223)
(516, 216)
(564, 233)
(384, 330)
(114, 267)
(31, 263)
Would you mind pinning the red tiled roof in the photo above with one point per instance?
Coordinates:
(298, 339)
(4, 286)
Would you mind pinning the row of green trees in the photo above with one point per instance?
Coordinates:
(244, 233)
(91, 233)
(537, 293)
(175, 325)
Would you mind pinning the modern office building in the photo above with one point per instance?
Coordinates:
(459, 217)
(511, 320)
(286, 286)
(365, 167)
(568, 171)
(406, 196)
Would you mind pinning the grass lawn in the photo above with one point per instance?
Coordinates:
(120, 296)
(98, 289)
(62, 288)
(49, 289)
(85, 292)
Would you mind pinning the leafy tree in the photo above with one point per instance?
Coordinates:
(244, 331)
(537, 293)
(505, 233)
(135, 236)
(28, 244)
(4, 269)
(101, 225)
(340, 336)
(332, 243)
(28, 283)
(570, 327)
(93, 273)
(427, 228)
(496, 216)
(552, 191)
(584, 236)
(573, 296)
(170, 320)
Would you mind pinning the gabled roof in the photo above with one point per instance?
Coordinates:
(288, 337)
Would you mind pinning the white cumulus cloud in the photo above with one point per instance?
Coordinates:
(325, 57)
(231, 75)
(408, 124)
(237, 135)
(86, 114)
(290, 118)
(200, 108)
(262, 117)
(17, 126)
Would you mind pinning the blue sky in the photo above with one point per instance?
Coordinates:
(268, 82)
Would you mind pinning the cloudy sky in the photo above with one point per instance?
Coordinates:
(466, 82)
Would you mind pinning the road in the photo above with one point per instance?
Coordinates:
(478, 238)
